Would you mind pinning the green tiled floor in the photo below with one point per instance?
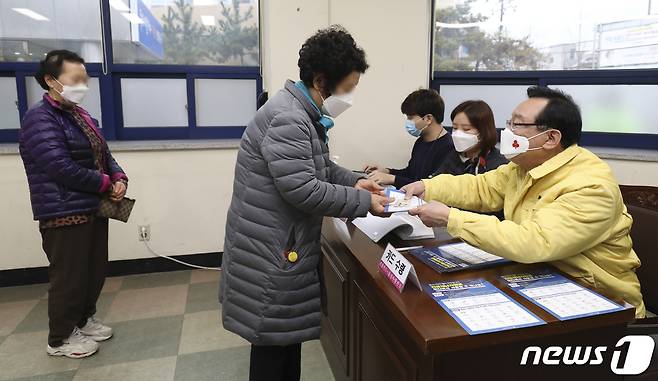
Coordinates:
(201, 366)
(139, 340)
(167, 327)
(155, 280)
(202, 297)
(36, 319)
(13, 294)
(64, 376)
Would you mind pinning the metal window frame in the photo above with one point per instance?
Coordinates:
(558, 77)
(110, 91)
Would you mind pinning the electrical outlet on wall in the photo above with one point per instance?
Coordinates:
(144, 232)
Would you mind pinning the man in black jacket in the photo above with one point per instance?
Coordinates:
(424, 110)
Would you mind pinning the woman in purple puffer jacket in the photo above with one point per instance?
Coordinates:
(69, 168)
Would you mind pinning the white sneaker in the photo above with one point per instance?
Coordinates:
(75, 347)
(95, 330)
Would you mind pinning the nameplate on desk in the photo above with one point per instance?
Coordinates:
(397, 269)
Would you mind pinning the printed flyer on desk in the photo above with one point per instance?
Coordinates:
(456, 256)
(559, 296)
(479, 307)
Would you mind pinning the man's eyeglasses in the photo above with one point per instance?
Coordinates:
(514, 125)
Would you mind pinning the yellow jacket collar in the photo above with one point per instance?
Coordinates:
(555, 162)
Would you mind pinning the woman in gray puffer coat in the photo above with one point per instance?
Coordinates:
(285, 183)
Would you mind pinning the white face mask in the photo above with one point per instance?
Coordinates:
(512, 145)
(463, 141)
(337, 104)
(74, 94)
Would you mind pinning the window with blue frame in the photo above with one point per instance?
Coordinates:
(602, 52)
(160, 69)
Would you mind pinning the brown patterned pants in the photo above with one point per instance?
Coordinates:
(78, 265)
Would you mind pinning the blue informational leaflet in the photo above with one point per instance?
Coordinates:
(399, 203)
(455, 257)
(479, 307)
(559, 296)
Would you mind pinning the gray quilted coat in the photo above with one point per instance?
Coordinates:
(284, 184)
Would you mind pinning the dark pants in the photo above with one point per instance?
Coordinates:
(275, 363)
(78, 264)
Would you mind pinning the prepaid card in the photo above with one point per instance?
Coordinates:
(560, 296)
(399, 204)
(479, 307)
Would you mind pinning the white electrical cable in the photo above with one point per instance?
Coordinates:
(176, 260)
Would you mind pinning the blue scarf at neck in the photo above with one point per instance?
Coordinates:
(325, 121)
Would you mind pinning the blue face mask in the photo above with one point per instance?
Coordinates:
(410, 126)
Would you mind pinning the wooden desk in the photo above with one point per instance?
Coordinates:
(372, 332)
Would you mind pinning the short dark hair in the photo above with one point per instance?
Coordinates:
(52, 65)
(331, 53)
(561, 113)
(481, 117)
(423, 102)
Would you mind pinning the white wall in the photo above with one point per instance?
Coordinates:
(286, 24)
(184, 195)
(630, 172)
(398, 54)
(395, 36)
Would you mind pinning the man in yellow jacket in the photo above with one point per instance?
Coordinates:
(561, 202)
